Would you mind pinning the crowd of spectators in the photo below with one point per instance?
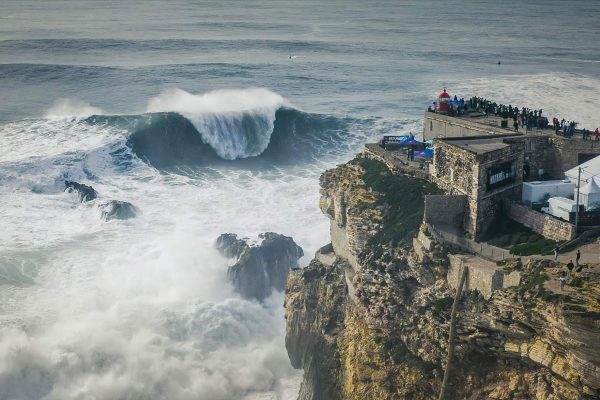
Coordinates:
(525, 118)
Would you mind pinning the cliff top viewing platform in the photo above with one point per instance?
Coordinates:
(496, 121)
(478, 116)
(474, 123)
(481, 145)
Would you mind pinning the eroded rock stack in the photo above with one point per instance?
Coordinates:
(260, 269)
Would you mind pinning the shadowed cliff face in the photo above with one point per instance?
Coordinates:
(389, 339)
(315, 308)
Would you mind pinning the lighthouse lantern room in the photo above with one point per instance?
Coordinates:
(443, 103)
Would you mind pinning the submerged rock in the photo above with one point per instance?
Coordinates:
(260, 269)
(85, 192)
(116, 209)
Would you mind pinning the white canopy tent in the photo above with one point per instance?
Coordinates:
(588, 170)
(589, 194)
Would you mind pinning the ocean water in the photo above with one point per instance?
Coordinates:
(212, 117)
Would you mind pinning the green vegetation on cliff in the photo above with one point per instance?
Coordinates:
(402, 199)
(517, 238)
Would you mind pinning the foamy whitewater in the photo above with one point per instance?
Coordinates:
(216, 118)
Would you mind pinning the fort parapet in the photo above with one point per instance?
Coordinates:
(437, 126)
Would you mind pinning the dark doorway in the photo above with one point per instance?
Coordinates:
(526, 172)
(583, 157)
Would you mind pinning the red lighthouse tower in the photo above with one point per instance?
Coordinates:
(443, 103)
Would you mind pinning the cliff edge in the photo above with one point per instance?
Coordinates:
(369, 317)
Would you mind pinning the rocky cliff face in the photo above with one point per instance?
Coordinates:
(371, 319)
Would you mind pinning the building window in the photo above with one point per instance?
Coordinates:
(502, 174)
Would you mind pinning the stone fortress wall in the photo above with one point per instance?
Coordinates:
(460, 171)
(544, 224)
(542, 148)
(442, 210)
(466, 155)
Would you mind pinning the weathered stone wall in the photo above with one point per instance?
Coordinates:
(483, 276)
(568, 152)
(447, 210)
(555, 154)
(539, 154)
(454, 169)
(463, 172)
(544, 224)
(486, 205)
(442, 126)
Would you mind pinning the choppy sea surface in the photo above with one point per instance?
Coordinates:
(212, 117)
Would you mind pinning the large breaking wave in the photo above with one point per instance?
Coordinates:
(235, 123)
(170, 139)
(226, 126)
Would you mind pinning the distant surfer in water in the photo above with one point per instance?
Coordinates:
(499, 62)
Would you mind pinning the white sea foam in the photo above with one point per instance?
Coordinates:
(236, 123)
(46, 138)
(139, 308)
(65, 108)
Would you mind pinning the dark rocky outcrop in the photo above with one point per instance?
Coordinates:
(230, 246)
(260, 269)
(112, 209)
(85, 192)
(116, 209)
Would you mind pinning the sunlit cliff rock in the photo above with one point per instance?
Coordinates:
(369, 317)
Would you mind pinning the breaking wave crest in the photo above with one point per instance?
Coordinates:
(66, 108)
(182, 129)
(235, 123)
(170, 139)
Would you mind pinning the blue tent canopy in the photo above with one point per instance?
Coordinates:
(411, 141)
(427, 153)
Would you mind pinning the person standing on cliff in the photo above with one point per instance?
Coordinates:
(577, 257)
(562, 278)
(556, 252)
(570, 267)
